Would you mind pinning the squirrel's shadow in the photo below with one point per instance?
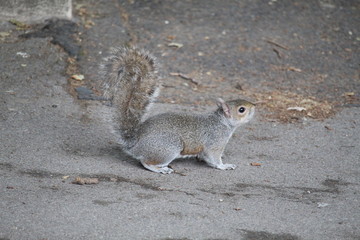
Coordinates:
(117, 154)
(112, 153)
(188, 162)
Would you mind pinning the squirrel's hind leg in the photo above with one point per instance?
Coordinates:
(156, 152)
(158, 162)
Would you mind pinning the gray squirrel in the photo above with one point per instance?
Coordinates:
(130, 80)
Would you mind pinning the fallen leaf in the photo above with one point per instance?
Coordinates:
(349, 94)
(11, 92)
(300, 109)
(174, 44)
(82, 181)
(294, 69)
(321, 204)
(255, 164)
(171, 37)
(89, 24)
(23, 54)
(78, 77)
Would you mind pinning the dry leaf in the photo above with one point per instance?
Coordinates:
(321, 205)
(82, 181)
(78, 77)
(300, 109)
(23, 54)
(349, 94)
(174, 44)
(255, 164)
(89, 24)
(11, 92)
(294, 69)
(171, 37)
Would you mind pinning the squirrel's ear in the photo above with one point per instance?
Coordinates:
(222, 104)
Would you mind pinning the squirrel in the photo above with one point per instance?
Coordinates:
(131, 81)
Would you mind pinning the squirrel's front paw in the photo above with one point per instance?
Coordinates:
(226, 166)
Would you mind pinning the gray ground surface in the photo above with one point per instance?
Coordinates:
(307, 186)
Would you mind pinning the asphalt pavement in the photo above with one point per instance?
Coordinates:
(63, 176)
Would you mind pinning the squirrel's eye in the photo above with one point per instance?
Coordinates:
(242, 110)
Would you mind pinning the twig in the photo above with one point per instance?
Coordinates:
(277, 53)
(184, 77)
(277, 44)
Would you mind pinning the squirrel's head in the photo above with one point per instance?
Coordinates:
(237, 111)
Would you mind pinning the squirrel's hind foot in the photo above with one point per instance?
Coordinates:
(158, 169)
(226, 166)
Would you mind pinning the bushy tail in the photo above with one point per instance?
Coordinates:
(130, 80)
